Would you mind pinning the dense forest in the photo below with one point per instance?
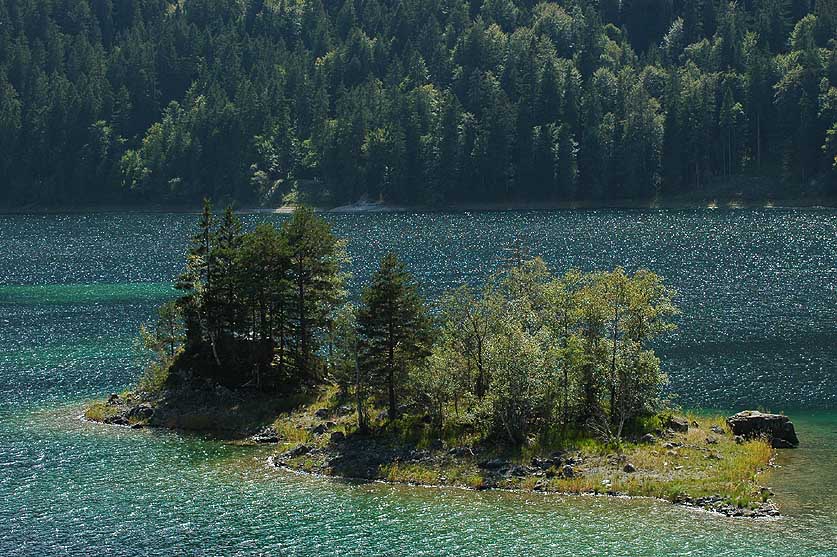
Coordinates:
(413, 102)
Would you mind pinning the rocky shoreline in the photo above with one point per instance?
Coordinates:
(361, 461)
(679, 453)
(712, 504)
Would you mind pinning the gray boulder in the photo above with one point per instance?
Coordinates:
(299, 450)
(141, 412)
(518, 470)
(495, 464)
(677, 424)
(461, 451)
(267, 435)
(117, 420)
(542, 463)
(776, 427)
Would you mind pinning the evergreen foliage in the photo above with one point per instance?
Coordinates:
(394, 329)
(528, 354)
(424, 102)
(258, 306)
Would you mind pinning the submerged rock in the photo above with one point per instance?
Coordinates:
(717, 504)
(776, 427)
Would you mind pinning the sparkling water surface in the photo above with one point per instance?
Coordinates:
(758, 291)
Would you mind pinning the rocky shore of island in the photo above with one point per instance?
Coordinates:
(683, 452)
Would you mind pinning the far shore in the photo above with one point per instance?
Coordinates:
(377, 207)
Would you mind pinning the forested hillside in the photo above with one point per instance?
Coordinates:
(413, 101)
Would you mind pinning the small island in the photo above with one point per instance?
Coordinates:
(534, 381)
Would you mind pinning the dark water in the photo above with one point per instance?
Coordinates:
(758, 290)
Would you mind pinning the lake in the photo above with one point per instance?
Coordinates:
(758, 292)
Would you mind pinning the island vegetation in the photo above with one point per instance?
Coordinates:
(530, 381)
(429, 103)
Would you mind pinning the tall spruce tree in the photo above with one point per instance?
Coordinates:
(316, 279)
(394, 327)
(195, 280)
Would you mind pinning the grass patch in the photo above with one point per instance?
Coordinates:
(290, 432)
(410, 473)
(698, 463)
(100, 411)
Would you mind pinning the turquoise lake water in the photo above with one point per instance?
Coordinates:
(758, 290)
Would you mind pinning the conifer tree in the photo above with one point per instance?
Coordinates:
(316, 279)
(194, 281)
(394, 328)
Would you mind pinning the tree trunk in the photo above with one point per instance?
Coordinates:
(393, 408)
(214, 350)
(613, 360)
(361, 414)
(481, 387)
(303, 343)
